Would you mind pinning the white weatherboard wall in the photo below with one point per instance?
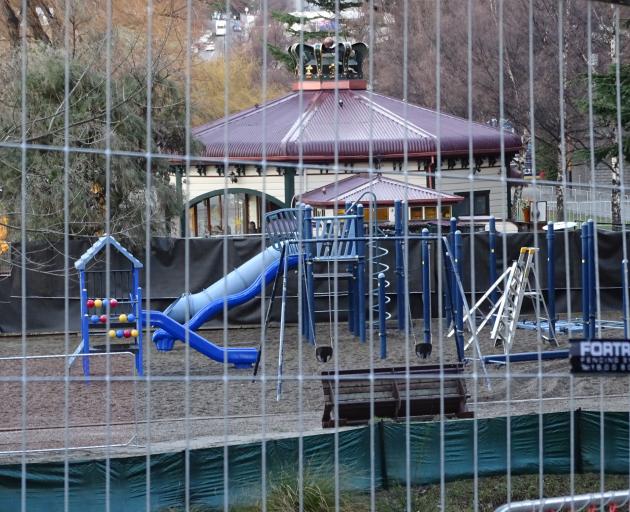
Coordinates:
(196, 185)
(489, 179)
(451, 182)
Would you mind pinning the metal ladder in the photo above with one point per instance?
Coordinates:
(518, 287)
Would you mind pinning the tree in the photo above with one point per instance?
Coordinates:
(611, 143)
(244, 85)
(95, 182)
(560, 60)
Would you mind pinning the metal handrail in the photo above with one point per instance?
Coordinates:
(558, 504)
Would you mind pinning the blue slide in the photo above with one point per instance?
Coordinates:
(242, 284)
(242, 357)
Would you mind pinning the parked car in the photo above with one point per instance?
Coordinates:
(209, 47)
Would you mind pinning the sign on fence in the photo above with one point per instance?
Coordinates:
(600, 356)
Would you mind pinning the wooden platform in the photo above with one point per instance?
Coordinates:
(352, 392)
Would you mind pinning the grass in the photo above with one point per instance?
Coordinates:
(492, 492)
(319, 494)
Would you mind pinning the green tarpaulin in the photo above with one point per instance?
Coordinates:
(379, 455)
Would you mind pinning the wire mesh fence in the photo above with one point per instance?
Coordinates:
(314, 255)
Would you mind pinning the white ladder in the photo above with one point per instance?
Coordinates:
(506, 311)
(518, 287)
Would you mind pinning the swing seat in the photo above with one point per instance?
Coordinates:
(323, 353)
(350, 393)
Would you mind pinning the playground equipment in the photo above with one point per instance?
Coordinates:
(118, 316)
(588, 324)
(505, 312)
(110, 302)
(354, 397)
(324, 244)
(121, 317)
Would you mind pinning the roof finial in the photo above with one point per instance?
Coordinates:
(329, 60)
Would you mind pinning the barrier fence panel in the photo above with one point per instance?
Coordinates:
(46, 408)
(314, 255)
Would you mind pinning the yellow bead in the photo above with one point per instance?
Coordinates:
(122, 318)
(98, 303)
(112, 333)
(134, 333)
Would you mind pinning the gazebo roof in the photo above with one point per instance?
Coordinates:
(386, 190)
(318, 125)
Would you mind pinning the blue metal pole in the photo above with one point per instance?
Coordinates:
(453, 226)
(520, 357)
(351, 285)
(551, 277)
(360, 232)
(585, 281)
(304, 305)
(356, 316)
(459, 300)
(382, 312)
(592, 302)
(426, 287)
(137, 309)
(302, 250)
(350, 299)
(492, 242)
(355, 296)
(624, 297)
(310, 281)
(447, 286)
(85, 329)
(400, 266)
(451, 239)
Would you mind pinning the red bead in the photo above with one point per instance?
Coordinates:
(103, 319)
(127, 333)
(113, 303)
(90, 303)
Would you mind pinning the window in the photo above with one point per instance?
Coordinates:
(428, 212)
(235, 214)
(382, 213)
(481, 203)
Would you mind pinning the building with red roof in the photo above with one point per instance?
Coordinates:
(381, 192)
(333, 125)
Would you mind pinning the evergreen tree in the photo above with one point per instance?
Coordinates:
(103, 193)
(609, 143)
(605, 108)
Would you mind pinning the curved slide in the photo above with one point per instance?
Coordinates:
(241, 357)
(239, 286)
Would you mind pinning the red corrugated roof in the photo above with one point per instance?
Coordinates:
(385, 189)
(352, 124)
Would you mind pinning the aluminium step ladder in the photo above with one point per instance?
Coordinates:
(518, 287)
(504, 314)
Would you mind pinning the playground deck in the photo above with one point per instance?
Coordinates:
(242, 410)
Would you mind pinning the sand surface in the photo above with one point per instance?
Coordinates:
(188, 400)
